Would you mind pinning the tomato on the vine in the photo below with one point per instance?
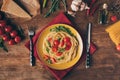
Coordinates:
(17, 39)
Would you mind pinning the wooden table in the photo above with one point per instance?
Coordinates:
(15, 64)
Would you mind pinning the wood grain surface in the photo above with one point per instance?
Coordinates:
(15, 64)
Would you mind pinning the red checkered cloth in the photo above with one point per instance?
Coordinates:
(58, 74)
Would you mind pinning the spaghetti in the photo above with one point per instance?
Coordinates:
(60, 47)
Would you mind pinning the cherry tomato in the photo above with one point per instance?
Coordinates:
(59, 53)
(53, 60)
(11, 42)
(118, 47)
(56, 42)
(68, 45)
(66, 39)
(2, 23)
(8, 28)
(17, 39)
(46, 57)
(6, 37)
(49, 39)
(54, 49)
(113, 18)
(13, 33)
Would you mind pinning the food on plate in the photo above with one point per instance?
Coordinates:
(60, 45)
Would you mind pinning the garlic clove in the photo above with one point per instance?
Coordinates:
(74, 7)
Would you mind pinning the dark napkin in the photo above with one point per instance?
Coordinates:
(58, 74)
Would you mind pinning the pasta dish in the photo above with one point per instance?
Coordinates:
(60, 45)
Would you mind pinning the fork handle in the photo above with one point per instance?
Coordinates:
(32, 58)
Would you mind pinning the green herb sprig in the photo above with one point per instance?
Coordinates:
(54, 6)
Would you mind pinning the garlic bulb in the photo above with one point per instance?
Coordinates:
(78, 5)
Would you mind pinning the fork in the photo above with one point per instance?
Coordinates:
(31, 33)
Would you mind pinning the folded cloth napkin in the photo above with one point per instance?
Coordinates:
(58, 74)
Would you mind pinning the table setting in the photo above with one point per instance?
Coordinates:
(29, 45)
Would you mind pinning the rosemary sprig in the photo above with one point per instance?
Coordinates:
(55, 6)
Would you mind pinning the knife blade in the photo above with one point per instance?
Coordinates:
(88, 55)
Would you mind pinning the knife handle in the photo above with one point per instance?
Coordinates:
(88, 60)
(32, 58)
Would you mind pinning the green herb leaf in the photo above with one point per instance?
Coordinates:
(61, 58)
(59, 39)
(61, 49)
(49, 61)
(49, 43)
(47, 49)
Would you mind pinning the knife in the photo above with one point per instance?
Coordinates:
(88, 55)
